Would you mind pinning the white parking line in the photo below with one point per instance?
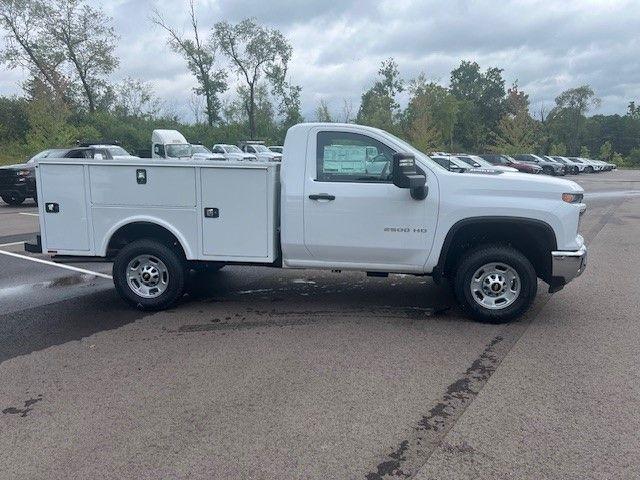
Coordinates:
(12, 244)
(53, 264)
(30, 214)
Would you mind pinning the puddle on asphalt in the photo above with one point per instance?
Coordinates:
(82, 279)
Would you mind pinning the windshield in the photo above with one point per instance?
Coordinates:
(200, 149)
(470, 161)
(179, 150)
(118, 151)
(232, 149)
(496, 160)
(261, 148)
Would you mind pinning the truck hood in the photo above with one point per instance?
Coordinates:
(524, 182)
(18, 166)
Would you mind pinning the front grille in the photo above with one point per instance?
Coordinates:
(7, 177)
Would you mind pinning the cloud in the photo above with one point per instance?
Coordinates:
(547, 45)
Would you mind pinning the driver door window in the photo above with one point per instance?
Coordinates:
(352, 157)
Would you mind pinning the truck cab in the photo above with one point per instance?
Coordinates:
(169, 144)
(345, 197)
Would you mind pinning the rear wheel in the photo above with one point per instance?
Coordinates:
(547, 170)
(589, 169)
(495, 284)
(13, 198)
(149, 275)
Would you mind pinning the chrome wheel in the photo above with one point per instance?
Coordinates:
(495, 286)
(147, 276)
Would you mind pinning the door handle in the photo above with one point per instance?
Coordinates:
(322, 196)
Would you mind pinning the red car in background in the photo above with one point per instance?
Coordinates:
(507, 161)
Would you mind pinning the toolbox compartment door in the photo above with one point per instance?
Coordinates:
(64, 207)
(240, 224)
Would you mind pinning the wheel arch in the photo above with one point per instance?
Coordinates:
(534, 238)
(132, 229)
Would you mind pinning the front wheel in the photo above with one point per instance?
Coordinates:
(495, 284)
(13, 198)
(149, 275)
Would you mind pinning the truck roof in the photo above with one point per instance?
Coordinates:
(168, 136)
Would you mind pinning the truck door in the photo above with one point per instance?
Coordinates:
(354, 215)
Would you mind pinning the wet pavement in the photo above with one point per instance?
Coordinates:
(265, 373)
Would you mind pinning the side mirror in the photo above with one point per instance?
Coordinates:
(405, 174)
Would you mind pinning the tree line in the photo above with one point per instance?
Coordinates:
(68, 49)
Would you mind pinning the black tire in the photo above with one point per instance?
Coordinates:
(14, 198)
(480, 256)
(174, 263)
(590, 170)
(547, 170)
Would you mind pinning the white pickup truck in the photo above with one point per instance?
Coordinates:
(346, 197)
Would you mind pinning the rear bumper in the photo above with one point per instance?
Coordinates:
(567, 265)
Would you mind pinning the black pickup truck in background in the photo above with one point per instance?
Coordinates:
(18, 182)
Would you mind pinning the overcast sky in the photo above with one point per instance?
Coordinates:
(547, 45)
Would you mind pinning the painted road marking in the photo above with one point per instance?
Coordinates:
(53, 264)
(30, 214)
(12, 244)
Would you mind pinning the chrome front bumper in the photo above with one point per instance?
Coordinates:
(567, 265)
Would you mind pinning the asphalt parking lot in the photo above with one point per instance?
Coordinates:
(262, 373)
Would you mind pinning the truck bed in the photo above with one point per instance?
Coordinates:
(218, 211)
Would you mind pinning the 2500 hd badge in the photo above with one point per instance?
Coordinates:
(405, 230)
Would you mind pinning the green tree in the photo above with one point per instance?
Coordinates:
(322, 112)
(515, 134)
(633, 160)
(200, 57)
(253, 50)
(379, 107)
(28, 45)
(606, 151)
(567, 119)
(517, 101)
(584, 152)
(87, 39)
(135, 98)
(618, 160)
(435, 104)
(558, 149)
(482, 103)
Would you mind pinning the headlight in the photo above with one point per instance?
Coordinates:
(23, 173)
(572, 197)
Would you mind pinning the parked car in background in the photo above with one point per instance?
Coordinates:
(607, 167)
(233, 153)
(276, 149)
(569, 168)
(478, 162)
(203, 153)
(507, 161)
(590, 165)
(18, 182)
(549, 168)
(579, 166)
(261, 152)
(451, 163)
(114, 148)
